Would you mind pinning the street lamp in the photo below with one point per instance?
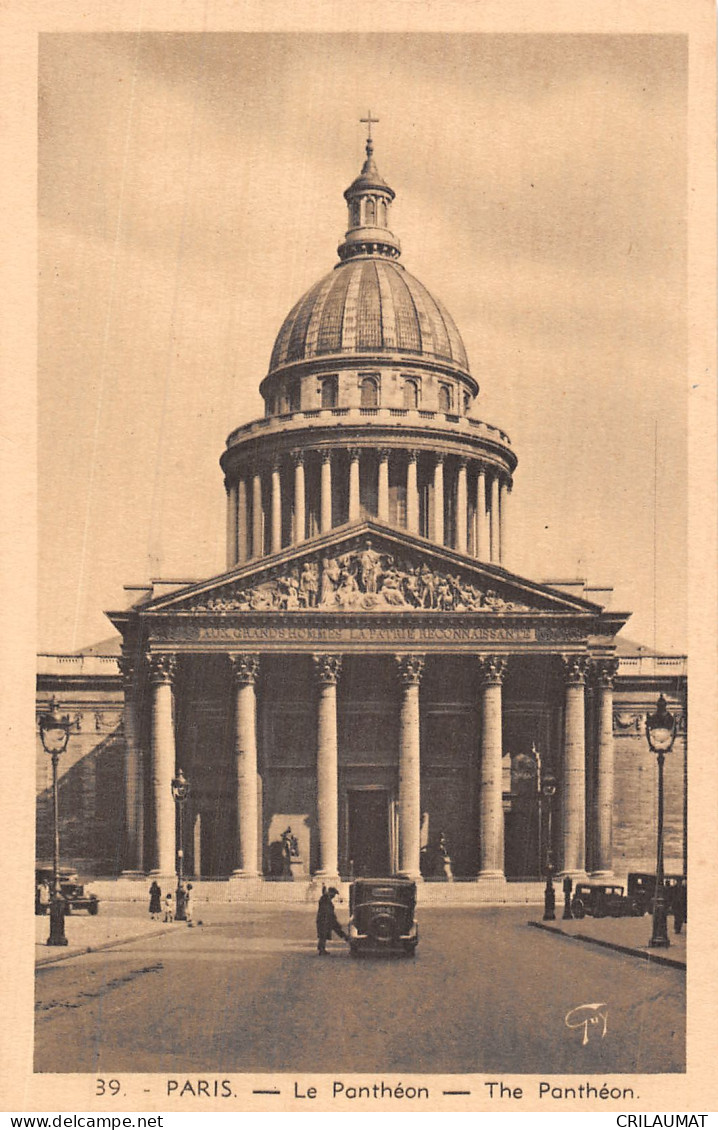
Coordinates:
(548, 790)
(180, 792)
(55, 734)
(660, 734)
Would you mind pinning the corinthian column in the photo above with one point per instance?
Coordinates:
(325, 514)
(326, 670)
(162, 674)
(438, 493)
(257, 516)
(300, 516)
(482, 533)
(461, 508)
(231, 525)
(503, 522)
(573, 785)
(242, 520)
(382, 508)
(603, 830)
(412, 495)
(134, 775)
(354, 495)
(276, 510)
(491, 808)
(245, 669)
(409, 668)
(494, 521)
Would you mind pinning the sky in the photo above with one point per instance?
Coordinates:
(190, 190)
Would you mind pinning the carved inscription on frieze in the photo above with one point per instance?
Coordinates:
(227, 633)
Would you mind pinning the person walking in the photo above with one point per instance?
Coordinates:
(155, 901)
(169, 909)
(188, 905)
(327, 923)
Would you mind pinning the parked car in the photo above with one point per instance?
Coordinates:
(603, 900)
(382, 917)
(642, 888)
(72, 890)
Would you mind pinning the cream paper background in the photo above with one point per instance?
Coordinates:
(23, 538)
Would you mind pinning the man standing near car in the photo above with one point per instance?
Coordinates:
(327, 923)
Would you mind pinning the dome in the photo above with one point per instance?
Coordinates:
(369, 305)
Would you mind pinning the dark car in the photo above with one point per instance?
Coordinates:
(382, 917)
(642, 888)
(71, 889)
(603, 900)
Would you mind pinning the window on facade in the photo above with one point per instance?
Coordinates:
(411, 394)
(444, 398)
(329, 392)
(294, 397)
(355, 218)
(370, 212)
(369, 387)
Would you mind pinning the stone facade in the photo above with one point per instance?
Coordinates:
(367, 681)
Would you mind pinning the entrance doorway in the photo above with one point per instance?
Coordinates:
(369, 832)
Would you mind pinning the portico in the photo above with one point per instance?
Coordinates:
(389, 674)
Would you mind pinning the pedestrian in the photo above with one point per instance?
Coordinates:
(327, 923)
(169, 909)
(188, 905)
(155, 901)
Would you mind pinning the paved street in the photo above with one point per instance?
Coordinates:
(247, 992)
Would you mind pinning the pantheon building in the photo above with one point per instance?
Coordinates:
(367, 689)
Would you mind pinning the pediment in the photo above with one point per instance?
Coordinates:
(369, 568)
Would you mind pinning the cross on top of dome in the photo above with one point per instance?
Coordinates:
(369, 199)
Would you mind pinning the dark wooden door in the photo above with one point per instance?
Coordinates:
(369, 832)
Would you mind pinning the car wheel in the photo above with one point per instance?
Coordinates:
(578, 909)
(93, 908)
(636, 910)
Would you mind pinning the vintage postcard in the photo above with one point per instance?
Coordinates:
(359, 557)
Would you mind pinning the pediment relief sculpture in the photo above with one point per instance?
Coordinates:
(362, 580)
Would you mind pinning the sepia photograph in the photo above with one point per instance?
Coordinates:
(363, 497)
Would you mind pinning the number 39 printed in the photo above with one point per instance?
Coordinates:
(108, 1087)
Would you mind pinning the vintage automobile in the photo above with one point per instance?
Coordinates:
(603, 900)
(641, 886)
(382, 917)
(71, 889)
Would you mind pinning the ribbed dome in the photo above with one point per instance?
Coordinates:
(368, 305)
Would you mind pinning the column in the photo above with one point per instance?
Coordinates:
(162, 674)
(325, 519)
(354, 495)
(231, 525)
(462, 518)
(134, 775)
(491, 807)
(257, 516)
(245, 669)
(482, 533)
(412, 495)
(503, 516)
(197, 845)
(327, 669)
(242, 531)
(276, 510)
(382, 508)
(300, 495)
(438, 492)
(573, 784)
(494, 520)
(410, 668)
(603, 828)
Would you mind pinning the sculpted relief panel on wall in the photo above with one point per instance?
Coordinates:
(362, 580)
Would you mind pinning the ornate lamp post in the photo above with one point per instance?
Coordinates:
(55, 734)
(548, 790)
(660, 734)
(180, 792)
